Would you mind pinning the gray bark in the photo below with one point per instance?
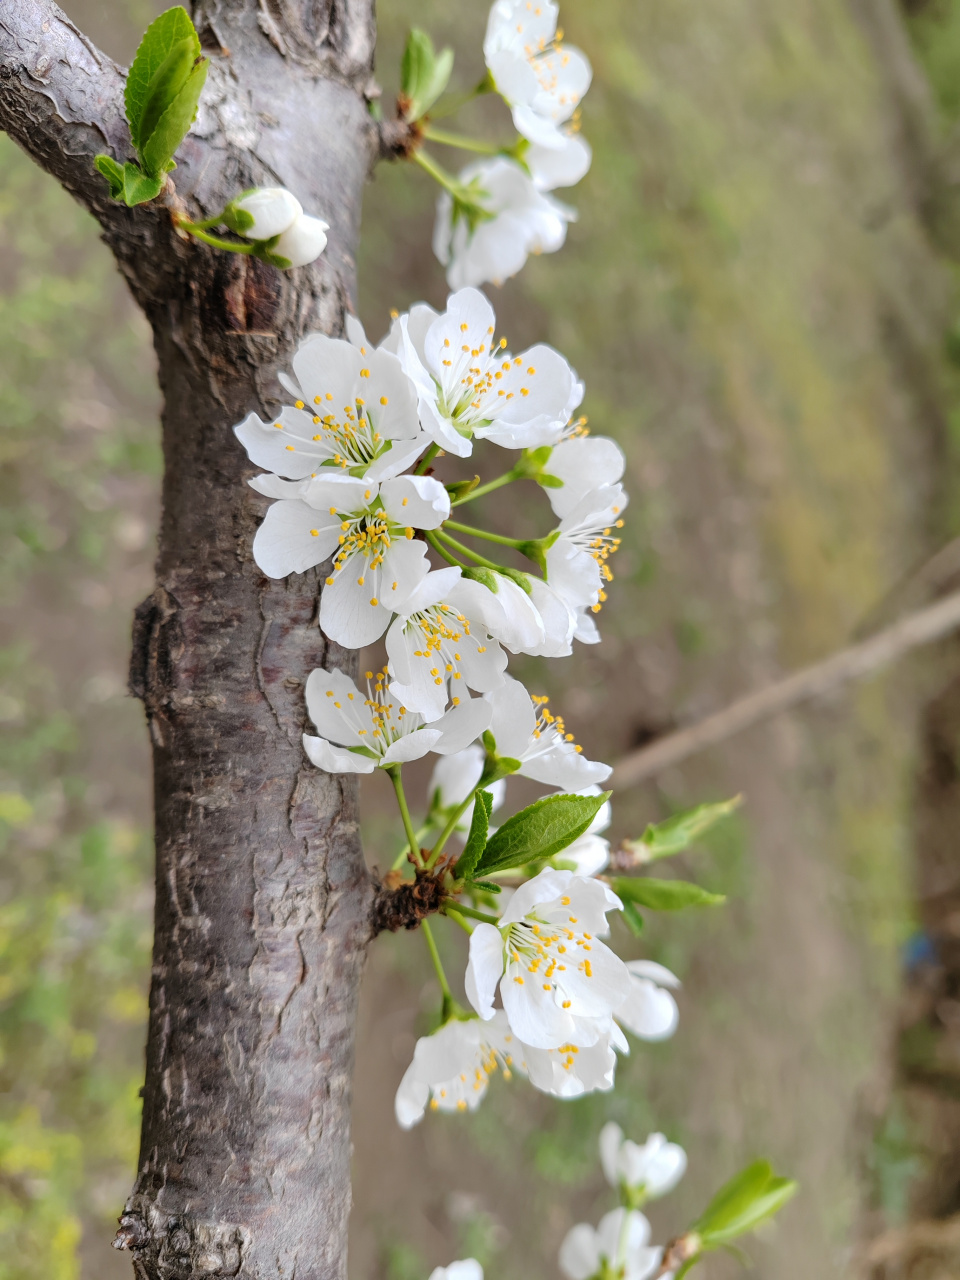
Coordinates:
(263, 900)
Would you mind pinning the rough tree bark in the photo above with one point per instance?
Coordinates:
(263, 901)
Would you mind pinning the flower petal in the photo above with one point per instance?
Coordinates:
(293, 538)
(420, 501)
(336, 759)
(484, 968)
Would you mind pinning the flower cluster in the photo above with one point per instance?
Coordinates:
(542, 80)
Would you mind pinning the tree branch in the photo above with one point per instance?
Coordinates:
(853, 663)
(61, 99)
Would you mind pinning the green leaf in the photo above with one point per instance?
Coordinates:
(664, 895)
(477, 839)
(633, 918)
(175, 122)
(113, 173)
(160, 37)
(678, 832)
(139, 187)
(489, 886)
(746, 1201)
(163, 89)
(539, 831)
(424, 74)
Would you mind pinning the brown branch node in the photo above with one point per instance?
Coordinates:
(404, 905)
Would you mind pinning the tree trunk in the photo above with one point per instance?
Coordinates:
(263, 900)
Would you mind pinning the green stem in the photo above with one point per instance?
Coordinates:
(465, 551)
(454, 101)
(507, 478)
(482, 533)
(395, 778)
(448, 1000)
(457, 918)
(427, 458)
(231, 246)
(429, 165)
(447, 139)
(434, 542)
(401, 857)
(474, 914)
(455, 817)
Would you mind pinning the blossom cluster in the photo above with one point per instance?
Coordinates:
(543, 81)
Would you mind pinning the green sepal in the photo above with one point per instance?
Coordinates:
(664, 895)
(633, 918)
(486, 577)
(159, 39)
(539, 831)
(477, 839)
(678, 832)
(139, 187)
(532, 461)
(460, 488)
(742, 1204)
(536, 549)
(424, 73)
(519, 577)
(113, 173)
(238, 220)
(499, 767)
(174, 124)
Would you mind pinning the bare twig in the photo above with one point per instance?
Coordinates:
(853, 663)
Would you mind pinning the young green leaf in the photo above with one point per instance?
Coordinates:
(168, 80)
(139, 187)
(424, 74)
(160, 37)
(477, 839)
(676, 833)
(539, 831)
(174, 124)
(633, 918)
(747, 1200)
(113, 173)
(664, 895)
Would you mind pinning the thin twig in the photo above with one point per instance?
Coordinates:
(852, 663)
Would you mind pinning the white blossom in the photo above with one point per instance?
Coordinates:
(465, 1269)
(526, 730)
(303, 241)
(355, 410)
(620, 1241)
(441, 640)
(577, 565)
(650, 1011)
(559, 984)
(650, 1170)
(541, 80)
(273, 210)
(584, 464)
(454, 778)
(359, 734)
(521, 218)
(367, 528)
(469, 386)
(451, 1069)
(573, 1070)
(564, 166)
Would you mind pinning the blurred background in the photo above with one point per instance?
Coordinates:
(761, 294)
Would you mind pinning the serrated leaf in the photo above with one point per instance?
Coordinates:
(633, 918)
(175, 122)
(113, 173)
(477, 839)
(160, 37)
(748, 1199)
(139, 187)
(168, 80)
(664, 895)
(539, 831)
(678, 832)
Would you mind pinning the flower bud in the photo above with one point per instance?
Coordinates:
(302, 242)
(273, 211)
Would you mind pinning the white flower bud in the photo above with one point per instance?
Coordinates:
(273, 210)
(304, 241)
